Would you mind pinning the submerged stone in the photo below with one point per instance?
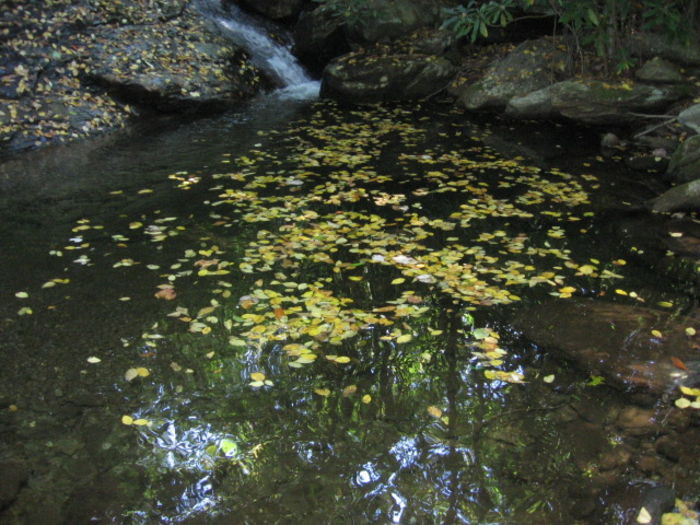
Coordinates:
(616, 341)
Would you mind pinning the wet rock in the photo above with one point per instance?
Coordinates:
(531, 66)
(659, 71)
(387, 20)
(669, 447)
(592, 102)
(319, 37)
(685, 161)
(685, 197)
(13, 475)
(690, 117)
(615, 341)
(275, 9)
(165, 69)
(636, 421)
(622, 504)
(358, 78)
(648, 45)
(614, 459)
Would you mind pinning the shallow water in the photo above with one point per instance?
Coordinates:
(393, 419)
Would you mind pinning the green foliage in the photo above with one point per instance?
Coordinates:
(600, 26)
(474, 19)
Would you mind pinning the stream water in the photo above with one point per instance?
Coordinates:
(300, 313)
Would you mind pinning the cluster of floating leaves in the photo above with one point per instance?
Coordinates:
(341, 236)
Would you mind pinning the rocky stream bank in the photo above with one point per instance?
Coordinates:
(74, 69)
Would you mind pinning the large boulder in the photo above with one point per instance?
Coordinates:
(319, 36)
(387, 20)
(593, 102)
(358, 78)
(684, 197)
(275, 9)
(648, 45)
(685, 161)
(531, 66)
(616, 341)
(178, 65)
(690, 117)
(659, 71)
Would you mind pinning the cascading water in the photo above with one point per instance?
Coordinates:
(274, 58)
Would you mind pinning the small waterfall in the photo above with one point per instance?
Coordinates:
(269, 55)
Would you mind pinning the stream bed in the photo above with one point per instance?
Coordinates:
(303, 313)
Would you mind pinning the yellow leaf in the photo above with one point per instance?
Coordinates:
(366, 399)
(644, 517)
(567, 289)
(142, 372)
(21, 295)
(682, 402)
(690, 331)
(355, 277)
(141, 422)
(349, 390)
(257, 376)
(322, 392)
(434, 411)
(404, 338)
(656, 333)
(695, 392)
(127, 420)
(665, 304)
(548, 379)
(135, 225)
(398, 280)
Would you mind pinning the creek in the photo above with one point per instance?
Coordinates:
(301, 313)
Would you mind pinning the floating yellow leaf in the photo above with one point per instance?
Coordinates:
(682, 402)
(665, 304)
(257, 376)
(325, 392)
(135, 225)
(141, 422)
(25, 310)
(94, 360)
(695, 392)
(21, 295)
(366, 399)
(548, 379)
(656, 333)
(398, 280)
(404, 338)
(690, 331)
(349, 390)
(127, 420)
(434, 411)
(644, 517)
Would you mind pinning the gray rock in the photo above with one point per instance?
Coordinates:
(685, 161)
(275, 9)
(360, 78)
(319, 37)
(648, 45)
(387, 20)
(179, 65)
(592, 102)
(659, 71)
(531, 66)
(685, 197)
(690, 117)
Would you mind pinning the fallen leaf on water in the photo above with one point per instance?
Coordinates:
(644, 516)
(366, 399)
(325, 392)
(21, 295)
(133, 373)
(434, 411)
(678, 363)
(93, 359)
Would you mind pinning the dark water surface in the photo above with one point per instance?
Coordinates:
(404, 427)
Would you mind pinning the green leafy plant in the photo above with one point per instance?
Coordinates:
(475, 19)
